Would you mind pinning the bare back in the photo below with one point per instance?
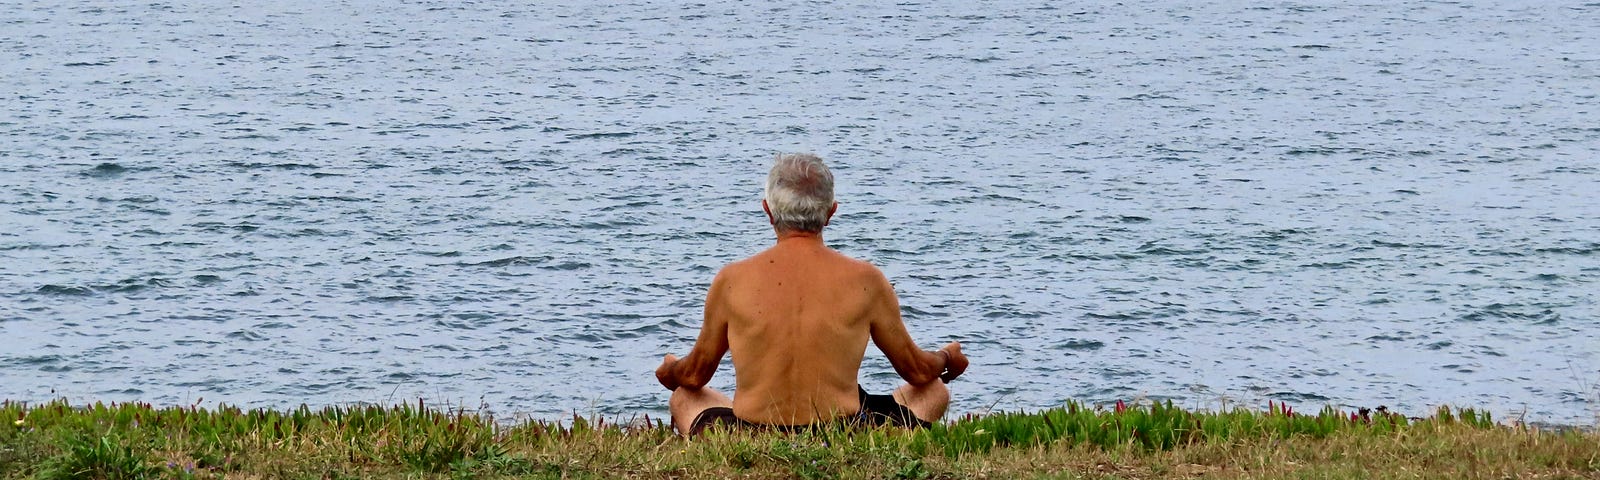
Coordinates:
(799, 316)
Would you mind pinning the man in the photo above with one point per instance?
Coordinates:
(797, 318)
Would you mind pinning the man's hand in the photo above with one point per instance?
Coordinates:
(664, 372)
(954, 362)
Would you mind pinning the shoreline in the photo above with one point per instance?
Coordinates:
(512, 419)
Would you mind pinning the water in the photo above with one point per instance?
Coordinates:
(520, 206)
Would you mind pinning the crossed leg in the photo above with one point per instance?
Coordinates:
(928, 402)
(687, 403)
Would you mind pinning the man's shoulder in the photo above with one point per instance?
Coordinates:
(838, 261)
(730, 271)
(738, 268)
(863, 266)
(739, 265)
(866, 269)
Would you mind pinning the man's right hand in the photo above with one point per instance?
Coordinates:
(664, 372)
(955, 363)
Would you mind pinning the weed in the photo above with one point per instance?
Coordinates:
(104, 457)
(908, 467)
(743, 455)
(805, 458)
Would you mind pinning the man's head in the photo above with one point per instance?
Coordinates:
(799, 195)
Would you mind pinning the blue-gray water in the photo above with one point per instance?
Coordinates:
(520, 205)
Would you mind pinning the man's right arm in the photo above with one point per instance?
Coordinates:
(696, 369)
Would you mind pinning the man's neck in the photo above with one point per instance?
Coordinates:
(793, 236)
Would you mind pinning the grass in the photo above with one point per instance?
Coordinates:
(57, 440)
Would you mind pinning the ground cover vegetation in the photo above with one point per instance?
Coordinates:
(58, 440)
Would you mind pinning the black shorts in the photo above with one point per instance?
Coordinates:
(875, 410)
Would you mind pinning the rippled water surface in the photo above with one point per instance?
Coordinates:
(521, 205)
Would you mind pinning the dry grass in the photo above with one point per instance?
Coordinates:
(56, 440)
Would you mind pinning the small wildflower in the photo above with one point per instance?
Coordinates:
(19, 422)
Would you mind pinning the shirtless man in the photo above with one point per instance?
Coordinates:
(797, 318)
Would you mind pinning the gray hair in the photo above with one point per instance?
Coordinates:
(799, 193)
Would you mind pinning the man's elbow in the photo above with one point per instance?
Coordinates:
(692, 383)
(694, 380)
(921, 378)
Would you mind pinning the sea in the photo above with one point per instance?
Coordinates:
(516, 207)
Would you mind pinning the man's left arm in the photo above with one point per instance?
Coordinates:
(915, 365)
(695, 370)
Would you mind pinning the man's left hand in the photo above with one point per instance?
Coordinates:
(955, 363)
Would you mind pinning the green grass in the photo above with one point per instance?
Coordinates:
(58, 440)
